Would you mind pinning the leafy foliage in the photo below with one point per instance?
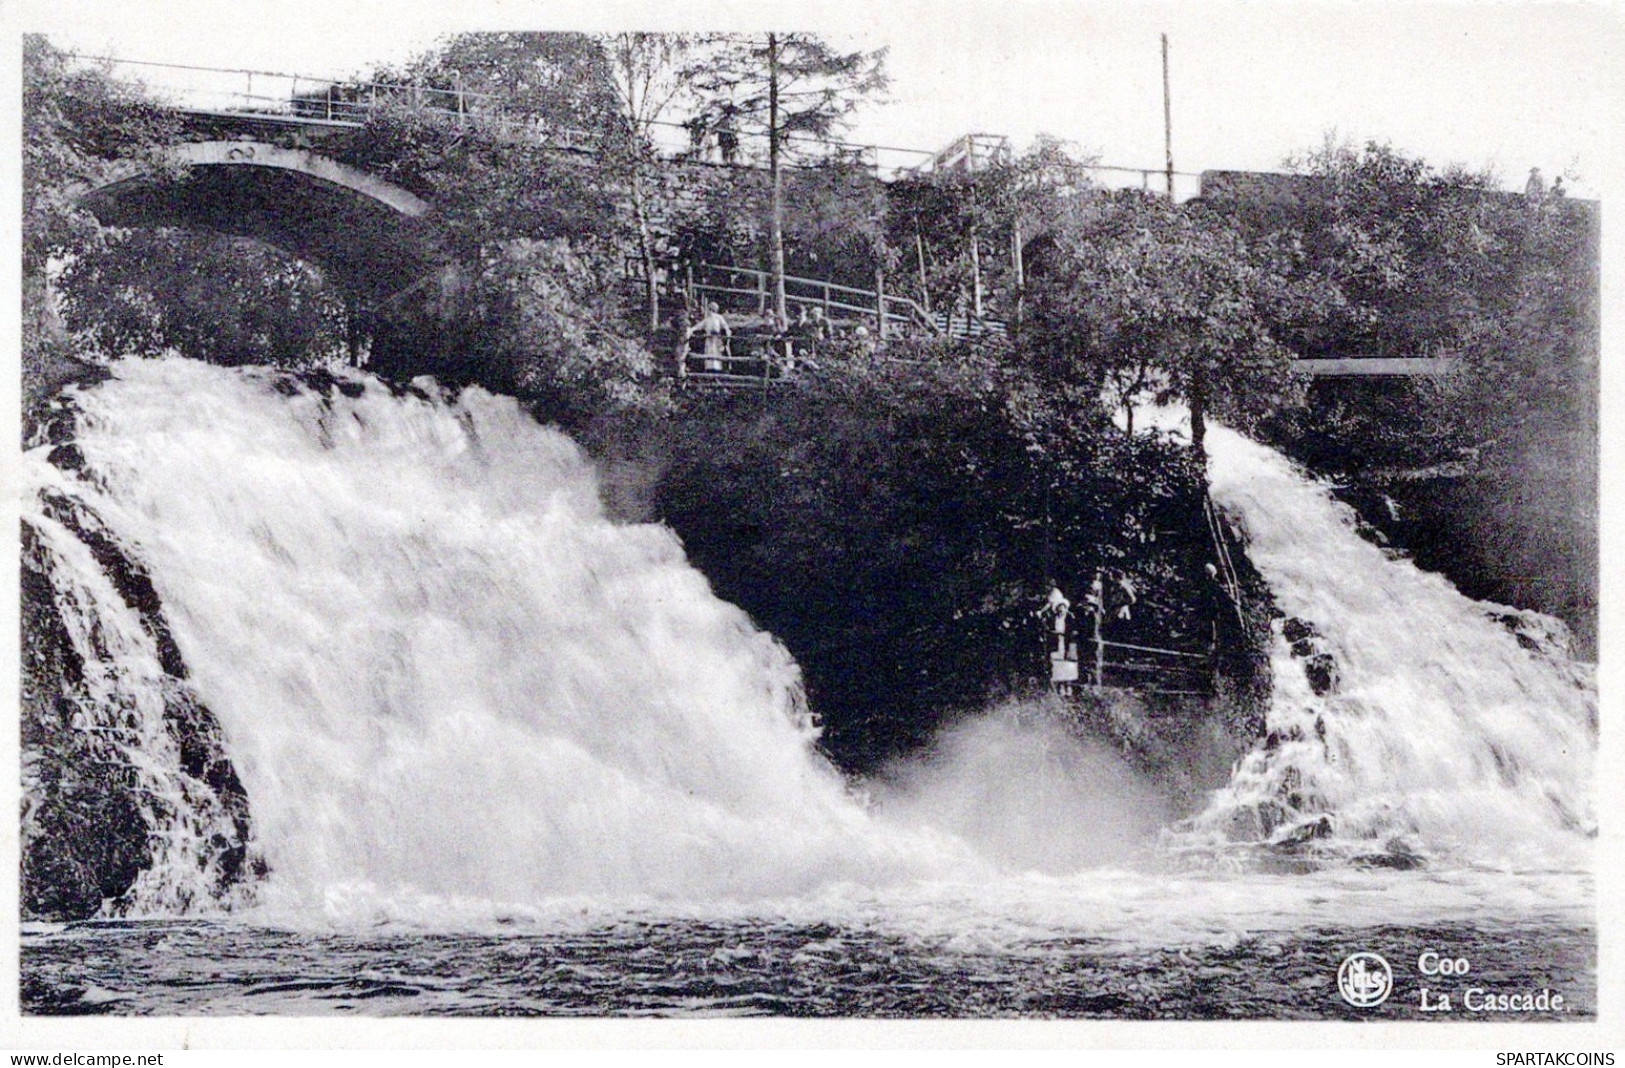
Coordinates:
(77, 125)
(1439, 264)
(1143, 299)
(209, 297)
(559, 85)
(896, 525)
(486, 190)
(551, 330)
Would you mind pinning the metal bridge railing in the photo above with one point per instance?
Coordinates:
(250, 93)
(258, 94)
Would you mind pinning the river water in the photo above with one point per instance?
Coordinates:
(504, 756)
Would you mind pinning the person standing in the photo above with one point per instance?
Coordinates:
(1062, 657)
(716, 329)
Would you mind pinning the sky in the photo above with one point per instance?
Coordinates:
(1505, 85)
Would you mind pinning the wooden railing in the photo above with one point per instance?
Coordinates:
(1152, 670)
(707, 280)
(750, 360)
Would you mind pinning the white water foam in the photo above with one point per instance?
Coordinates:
(450, 685)
(1444, 733)
(442, 671)
(1024, 788)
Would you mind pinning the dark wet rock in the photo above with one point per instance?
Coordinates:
(1257, 822)
(1321, 671)
(318, 380)
(1393, 861)
(1296, 630)
(131, 580)
(1306, 643)
(1308, 831)
(83, 836)
(86, 837)
(67, 457)
(1282, 735)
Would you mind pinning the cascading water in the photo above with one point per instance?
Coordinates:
(329, 654)
(1407, 720)
(441, 671)
(442, 675)
(139, 791)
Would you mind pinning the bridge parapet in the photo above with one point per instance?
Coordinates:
(373, 238)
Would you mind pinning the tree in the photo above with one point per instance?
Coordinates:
(78, 124)
(1145, 298)
(1417, 252)
(549, 331)
(557, 87)
(1489, 473)
(643, 69)
(946, 217)
(834, 214)
(792, 89)
(493, 164)
(226, 300)
(1434, 263)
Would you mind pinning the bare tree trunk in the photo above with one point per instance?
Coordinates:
(776, 250)
(352, 329)
(880, 298)
(976, 273)
(1198, 405)
(1019, 265)
(646, 248)
(925, 290)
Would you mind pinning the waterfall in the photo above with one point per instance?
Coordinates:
(396, 628)
(439, 669)
(1407, 721)
(127, 794)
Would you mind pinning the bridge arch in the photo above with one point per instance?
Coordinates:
(372, 238)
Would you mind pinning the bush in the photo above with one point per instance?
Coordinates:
(897, 524)
(552, 330)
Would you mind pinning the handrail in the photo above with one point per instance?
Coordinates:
(355, 99)
(1232, 583)
(1153, 649)
(873, 152)
(332, 81)
(915, 312)
(1155, 669)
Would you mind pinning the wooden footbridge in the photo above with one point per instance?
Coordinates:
(756, 354)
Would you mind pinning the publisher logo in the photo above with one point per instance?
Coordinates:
(1365, 980)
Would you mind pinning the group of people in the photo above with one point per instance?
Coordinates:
(800, 339)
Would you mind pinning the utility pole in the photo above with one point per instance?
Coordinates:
(1167, 118)
(775, 166)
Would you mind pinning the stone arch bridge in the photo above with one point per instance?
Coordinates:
(373, 239)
